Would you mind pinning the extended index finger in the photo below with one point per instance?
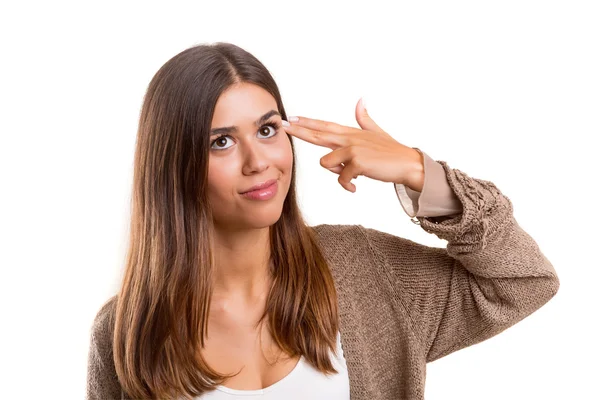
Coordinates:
(321, 133)
(319, 125)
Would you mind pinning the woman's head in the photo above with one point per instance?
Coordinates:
(193, 96)
(187, 184)
(247, 146)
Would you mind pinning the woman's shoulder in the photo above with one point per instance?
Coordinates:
(362, 242)
(339, 232)
(337, 236)
(102, 380)
(103, 324)
(353, 235)
(342, 240)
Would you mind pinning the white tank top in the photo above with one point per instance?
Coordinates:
(303, 382)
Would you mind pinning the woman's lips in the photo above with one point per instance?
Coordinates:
(265, 193)
(263, 185)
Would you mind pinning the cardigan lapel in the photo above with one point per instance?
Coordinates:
(350, 338)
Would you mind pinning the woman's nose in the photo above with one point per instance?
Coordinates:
(255, 159)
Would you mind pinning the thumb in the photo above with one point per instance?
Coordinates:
(363, 118)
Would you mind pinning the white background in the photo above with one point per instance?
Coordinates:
(504, 91)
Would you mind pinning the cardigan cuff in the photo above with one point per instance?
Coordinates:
(437, 198)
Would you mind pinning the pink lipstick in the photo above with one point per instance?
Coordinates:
(266, 191)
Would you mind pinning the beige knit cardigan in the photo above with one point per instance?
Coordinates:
(403, 304)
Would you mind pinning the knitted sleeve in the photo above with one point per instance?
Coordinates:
(490, 276)
(102, 381)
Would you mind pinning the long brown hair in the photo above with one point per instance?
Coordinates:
(163, 304)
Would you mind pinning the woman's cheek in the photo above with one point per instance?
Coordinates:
(285, 153)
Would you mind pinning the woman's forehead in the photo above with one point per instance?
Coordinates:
(242, 105)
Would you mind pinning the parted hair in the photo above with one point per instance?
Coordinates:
(164, 299)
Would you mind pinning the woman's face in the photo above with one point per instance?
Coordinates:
(252, 154)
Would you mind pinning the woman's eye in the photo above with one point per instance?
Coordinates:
(263, 132)
(220, 140)
(264, 129)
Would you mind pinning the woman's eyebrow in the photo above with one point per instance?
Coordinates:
(234, 129)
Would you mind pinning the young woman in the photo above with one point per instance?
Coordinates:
(228, 293)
